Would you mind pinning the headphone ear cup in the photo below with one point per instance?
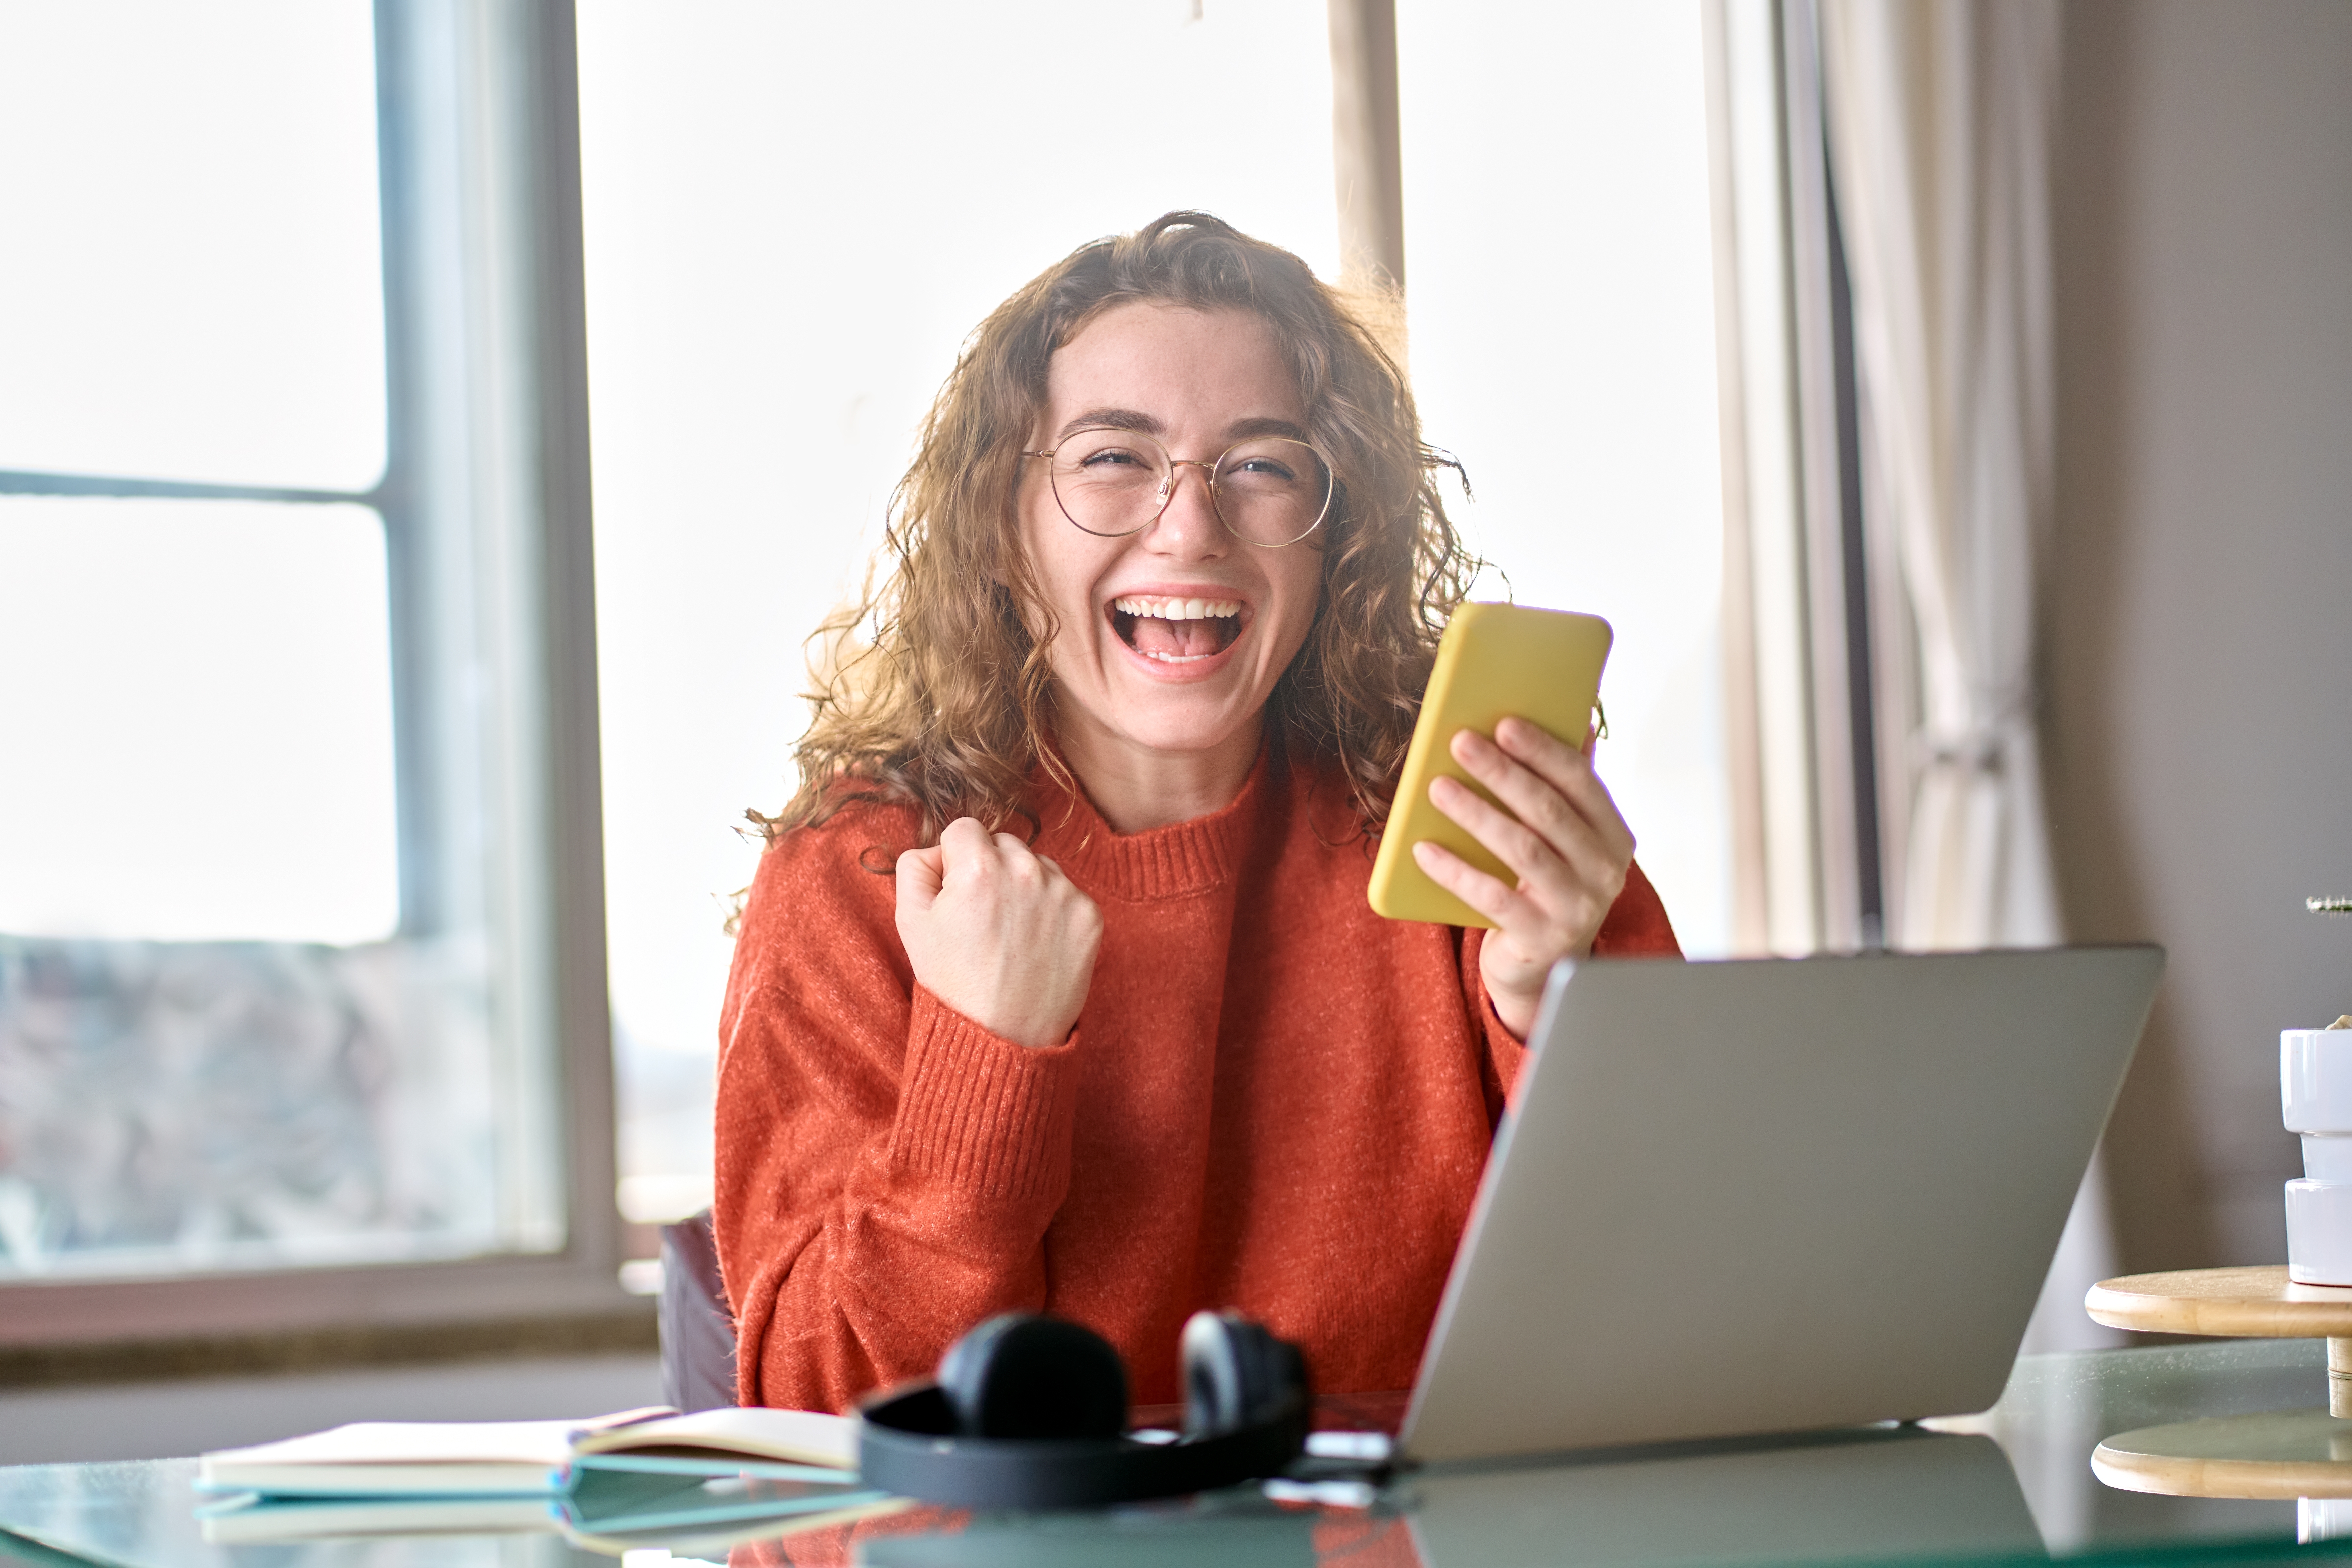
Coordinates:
(1236, 1374)
(1022, 1376)
(964, 1369)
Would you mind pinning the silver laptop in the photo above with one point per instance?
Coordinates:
(1771, 1196)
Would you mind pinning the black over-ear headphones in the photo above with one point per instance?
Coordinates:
(1030, 1412)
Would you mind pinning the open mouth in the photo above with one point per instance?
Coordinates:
(1176, 631)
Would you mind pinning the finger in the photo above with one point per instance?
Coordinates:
(966, 834)
(1487, 895)
(1512, 841)
(1024, 865)
(964, 847)
(1567, 892)
(1562, 822)
(921, 872)
(1570, 770)
(1537, 935)
(1573, 774)
(1540, 765)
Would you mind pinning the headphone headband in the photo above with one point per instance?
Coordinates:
(905, 1444)
(921, 1439)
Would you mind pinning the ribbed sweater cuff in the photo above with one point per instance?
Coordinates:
(982, 1112)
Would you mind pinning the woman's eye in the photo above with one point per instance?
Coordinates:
(1108, 455)
(1266, 468)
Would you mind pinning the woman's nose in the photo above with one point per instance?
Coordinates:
(1189, 527)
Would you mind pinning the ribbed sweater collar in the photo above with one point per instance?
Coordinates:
(1171, 862)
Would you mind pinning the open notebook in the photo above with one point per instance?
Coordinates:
(512, 1459)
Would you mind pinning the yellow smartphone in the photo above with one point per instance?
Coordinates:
(1493, 660)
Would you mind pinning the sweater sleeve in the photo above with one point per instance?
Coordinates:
(1635, 927)
(886, 1168)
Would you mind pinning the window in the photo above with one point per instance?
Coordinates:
(301, 946)
(1560, 291)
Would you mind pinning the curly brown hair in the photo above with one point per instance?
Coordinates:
(934, 690)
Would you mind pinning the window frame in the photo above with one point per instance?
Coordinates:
(518, 450)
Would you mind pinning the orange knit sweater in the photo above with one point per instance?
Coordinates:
(1273, 1101)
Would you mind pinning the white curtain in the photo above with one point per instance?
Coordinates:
(1940, 114)
(1941, 119)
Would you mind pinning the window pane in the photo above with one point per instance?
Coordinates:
(200, 721)
(845, 191)
(274, 990)
(1559, 262)
(215, 1051)
(190, 284)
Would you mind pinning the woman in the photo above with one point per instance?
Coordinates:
(1120, 1037)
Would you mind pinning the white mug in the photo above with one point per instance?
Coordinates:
(2315, 1100)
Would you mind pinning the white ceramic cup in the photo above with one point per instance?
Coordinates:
(2315, 1100)
(2319, 1231)
(2315, 1080)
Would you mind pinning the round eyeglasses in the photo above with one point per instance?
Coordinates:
(1269, 491)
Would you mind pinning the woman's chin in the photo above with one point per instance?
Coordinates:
(1182, 718)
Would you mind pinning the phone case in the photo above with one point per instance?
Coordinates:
(1493, 661)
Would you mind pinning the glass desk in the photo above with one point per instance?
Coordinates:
(2012, 1485)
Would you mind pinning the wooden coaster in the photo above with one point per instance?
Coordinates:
(2258, 1302)
(2286, 1454)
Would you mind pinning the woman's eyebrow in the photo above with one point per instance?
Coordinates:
(1113, 419)
(1245, 429)
(1151, 424)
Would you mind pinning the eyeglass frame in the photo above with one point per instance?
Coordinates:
(1208, 477)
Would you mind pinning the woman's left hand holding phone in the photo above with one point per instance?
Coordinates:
(1561, 836)
(997, 933)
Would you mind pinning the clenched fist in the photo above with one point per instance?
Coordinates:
(998, 933)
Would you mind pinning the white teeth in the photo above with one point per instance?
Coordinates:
(1164, 609)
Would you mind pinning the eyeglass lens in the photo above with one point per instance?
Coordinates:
(1271, 490)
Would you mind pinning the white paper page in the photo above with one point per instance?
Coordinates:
(810, 1437)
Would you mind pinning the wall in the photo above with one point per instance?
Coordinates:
(2200, 647)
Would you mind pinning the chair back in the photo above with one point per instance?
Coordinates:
(698, 1333)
